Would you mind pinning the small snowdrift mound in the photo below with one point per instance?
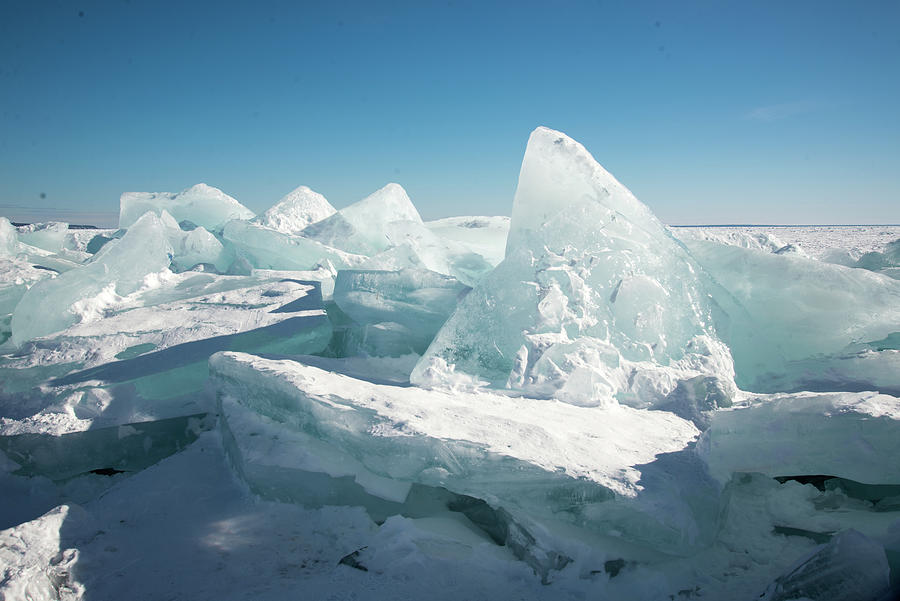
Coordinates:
(298, 209)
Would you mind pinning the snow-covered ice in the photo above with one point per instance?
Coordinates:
(574, 402)
(298, 209)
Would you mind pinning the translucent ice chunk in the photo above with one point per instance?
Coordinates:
(418, 299)
(485, 236)
(267, 249)
(47, 236)
(847, 435)
(118, 269)
(197, 247)
(886, 262)
(298, 209)
(9, 240)
(851, 567)
(592, 285)
(414, 245)
(361, 227)
(200, 204)
(794, 309)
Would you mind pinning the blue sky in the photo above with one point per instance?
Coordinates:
(711, 112)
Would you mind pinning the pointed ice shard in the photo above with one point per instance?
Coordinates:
(9, 239)
(360, 228)
(607, 303)
(298, 209)
(199, 204)
(118, 269)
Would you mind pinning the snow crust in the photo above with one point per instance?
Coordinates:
(296, 210)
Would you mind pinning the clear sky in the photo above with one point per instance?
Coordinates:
(711, 112)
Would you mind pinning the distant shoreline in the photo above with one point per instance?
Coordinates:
(790, 225)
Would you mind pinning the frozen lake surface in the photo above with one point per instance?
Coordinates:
(573, 402)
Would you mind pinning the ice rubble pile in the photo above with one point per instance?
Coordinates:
(607, 403)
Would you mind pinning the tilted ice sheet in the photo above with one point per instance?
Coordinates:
(413, 245)
(592, 283)
(147, 358)
(47, 236)
(794, 309)
(848, 435)
(200, 204)
(296, 210)
(9, 239)
(120, 268)
(483, 235)
(599, 445)
(418, 299)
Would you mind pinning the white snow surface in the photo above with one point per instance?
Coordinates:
(297, 209)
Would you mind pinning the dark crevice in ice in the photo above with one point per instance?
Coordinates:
(352, 560)
(107, 471)
(820, 538)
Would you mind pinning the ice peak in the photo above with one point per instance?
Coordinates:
(558, 172)
(298, 208)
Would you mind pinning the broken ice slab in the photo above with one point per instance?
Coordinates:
(277, 317)
(485, 236)
(150, 360)
(592, 284)
(47, 236)
(886, 262)
(419, 299)
(435, 253)
(851, 567)
(846, 435)
(200, 204)
(268, 249)
(382, 339)
(198, 247)
(296, 210)
(544, 460)
(361, 227)
(120, 268)
(105, 451)
(9, 238)
(788, 313)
